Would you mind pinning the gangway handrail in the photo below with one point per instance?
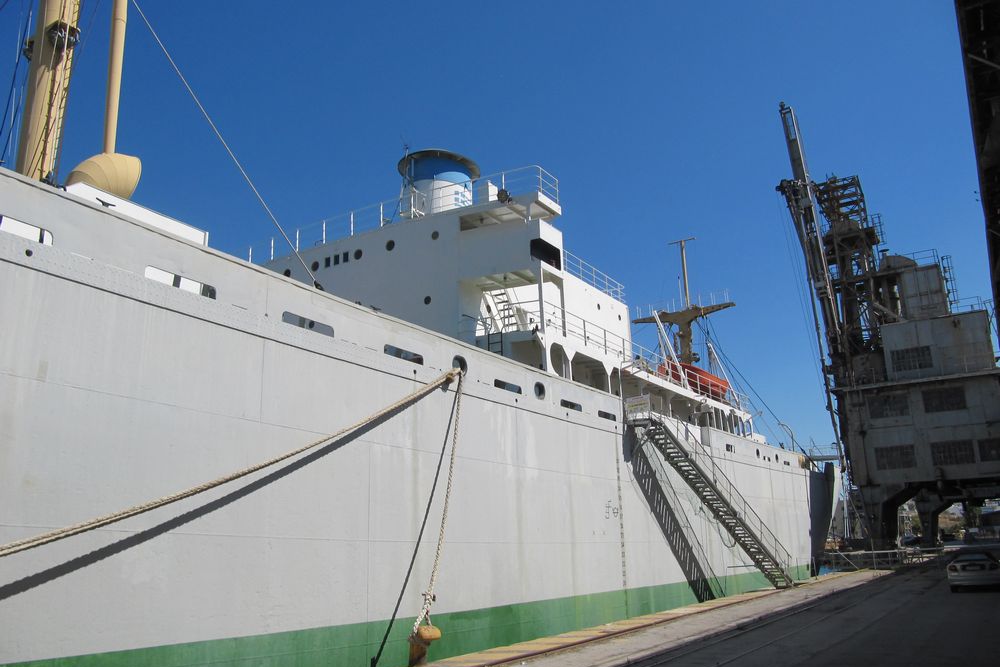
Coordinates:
(715, 584)
(698, 454)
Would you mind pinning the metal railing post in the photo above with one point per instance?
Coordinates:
(352, 223)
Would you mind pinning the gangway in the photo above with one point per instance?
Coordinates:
(694, 463)
(654, 481)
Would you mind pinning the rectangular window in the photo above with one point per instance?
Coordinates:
(24, 230)
(306, 323)
(405, 355)
(882, 406)
(954, 452)
(944, 399)
(571, 405)
(892, 458)
(911, 358)
(507, 386)
(336, 260)
(175, 280)
(989, 449)
(606, 415)
(326, 263)
(344, 257)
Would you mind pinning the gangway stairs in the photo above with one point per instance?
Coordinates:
(654, 481)
(695, 465)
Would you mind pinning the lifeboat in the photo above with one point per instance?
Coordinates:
(706, 383)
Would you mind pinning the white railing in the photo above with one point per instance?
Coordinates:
(655, 364)
(526, 316)
(674, 305)
(409, 205)
(575, 266)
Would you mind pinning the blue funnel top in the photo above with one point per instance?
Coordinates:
(439, 165)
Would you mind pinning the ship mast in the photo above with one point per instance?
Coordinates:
(51, 54)
(684, 318)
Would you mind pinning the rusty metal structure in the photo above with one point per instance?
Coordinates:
(979, 34)
(912, 384)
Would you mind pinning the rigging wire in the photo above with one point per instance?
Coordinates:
(745, 382)
(225, 145)
(11, 104)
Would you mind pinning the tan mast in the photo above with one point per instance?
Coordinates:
(682, 319)
(51, 49)
(110, 171)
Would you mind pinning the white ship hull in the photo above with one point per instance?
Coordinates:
(117, 389)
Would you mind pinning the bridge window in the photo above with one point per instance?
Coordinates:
(606, 415)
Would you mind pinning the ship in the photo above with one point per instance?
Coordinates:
(429, 415)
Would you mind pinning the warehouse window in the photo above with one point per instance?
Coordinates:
(881, 406)
(891, 458)
(944, 399)
(954, 452)
(911, 358)
(989, 449)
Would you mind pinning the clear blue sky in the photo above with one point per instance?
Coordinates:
(659, 119)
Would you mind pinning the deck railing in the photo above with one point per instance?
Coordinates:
(410, 204)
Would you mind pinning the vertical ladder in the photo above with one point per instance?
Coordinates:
(695, 465)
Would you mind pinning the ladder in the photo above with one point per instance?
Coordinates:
(651, 475)
(695, 465)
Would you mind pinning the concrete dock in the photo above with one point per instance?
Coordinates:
(908, 617)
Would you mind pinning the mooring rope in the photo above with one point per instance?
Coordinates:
(425, 610)
(68, 531)
(423, 524)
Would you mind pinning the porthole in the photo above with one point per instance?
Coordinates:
(390, 245)
(427, 301)
(539, 390)
(459, 363)
(434, 235)
(598, 306)
(619, 318)
(287, 272)
(357, 253)
(315, 266)
(28, 253)
(758, 453)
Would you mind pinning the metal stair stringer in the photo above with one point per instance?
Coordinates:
(720, 496)
(703, 579)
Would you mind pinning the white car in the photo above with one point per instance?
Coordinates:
(973, 569)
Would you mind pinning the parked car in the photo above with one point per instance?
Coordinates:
(974, 568)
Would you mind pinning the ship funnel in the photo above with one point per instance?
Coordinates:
(435, 180)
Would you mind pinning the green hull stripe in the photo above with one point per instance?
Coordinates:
(464, 632)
